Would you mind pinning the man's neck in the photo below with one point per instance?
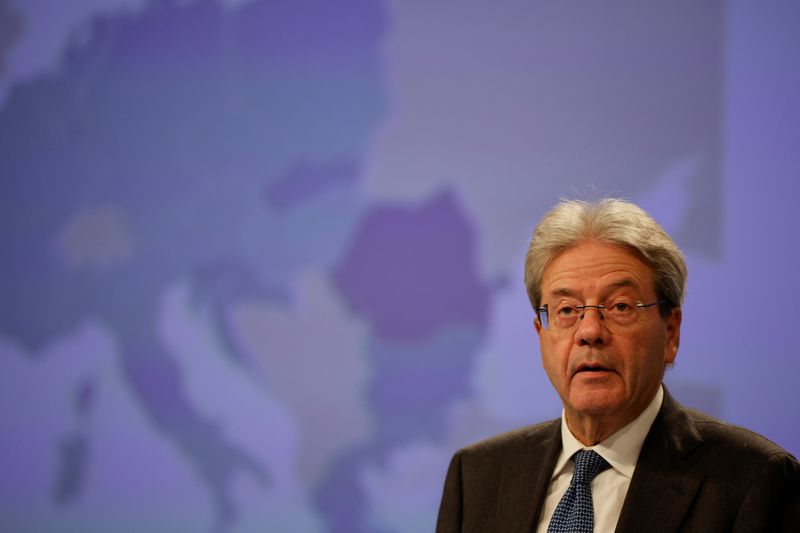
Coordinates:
(592, 429)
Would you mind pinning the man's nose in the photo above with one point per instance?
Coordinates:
(591, 328)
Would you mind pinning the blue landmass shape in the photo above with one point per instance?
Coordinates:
(305, 180)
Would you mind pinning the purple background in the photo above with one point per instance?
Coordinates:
(262, 261)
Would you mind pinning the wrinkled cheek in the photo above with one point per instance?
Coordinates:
(556, 374)
(555, 362)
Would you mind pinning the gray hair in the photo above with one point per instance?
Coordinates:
(611, 221)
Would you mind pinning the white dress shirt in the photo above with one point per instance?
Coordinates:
(609, 488)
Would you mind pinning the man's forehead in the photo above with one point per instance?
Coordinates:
(596, 266)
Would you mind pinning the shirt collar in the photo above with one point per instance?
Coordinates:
(621, 449)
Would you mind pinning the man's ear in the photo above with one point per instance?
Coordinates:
(538, 325)
(673, 322)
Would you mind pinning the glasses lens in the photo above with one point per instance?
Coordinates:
(565, 314)
(541, 313)
(622, 311)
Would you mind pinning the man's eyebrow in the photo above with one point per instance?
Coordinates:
(562, 292)
(619, 284)
(623, 283)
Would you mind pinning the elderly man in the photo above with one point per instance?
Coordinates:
(606, 284)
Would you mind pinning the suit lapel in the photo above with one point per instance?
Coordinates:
(663, 486)
(526, 480)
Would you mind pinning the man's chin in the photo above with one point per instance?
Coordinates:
(595, 401)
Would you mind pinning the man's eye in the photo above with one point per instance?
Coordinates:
(621, 307)
(567, 310)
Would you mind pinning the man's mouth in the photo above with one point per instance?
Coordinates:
(592, 369)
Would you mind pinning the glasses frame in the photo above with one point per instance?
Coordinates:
(582, 308)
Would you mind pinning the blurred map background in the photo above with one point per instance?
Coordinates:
(262, 260)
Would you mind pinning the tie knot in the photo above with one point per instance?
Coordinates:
(588, 464)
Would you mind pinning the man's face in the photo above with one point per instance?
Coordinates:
(602, 370)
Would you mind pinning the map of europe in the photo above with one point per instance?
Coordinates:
(206, 323)
(195, 310)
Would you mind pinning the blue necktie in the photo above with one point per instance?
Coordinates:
(575, 513)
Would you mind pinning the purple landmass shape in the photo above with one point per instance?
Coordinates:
(412, 270)
(11, 27)
(305, 180)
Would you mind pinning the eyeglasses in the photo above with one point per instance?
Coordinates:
(565, 313)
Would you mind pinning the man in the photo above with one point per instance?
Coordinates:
(606, 284)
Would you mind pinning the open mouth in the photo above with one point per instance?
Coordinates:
(592, 370)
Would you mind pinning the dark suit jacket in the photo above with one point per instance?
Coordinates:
(694, 473)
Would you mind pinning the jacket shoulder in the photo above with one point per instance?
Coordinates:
(527, 438)
(499, 483)
(738, 480)
(733, 439)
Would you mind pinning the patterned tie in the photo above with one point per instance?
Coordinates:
(575, 512)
